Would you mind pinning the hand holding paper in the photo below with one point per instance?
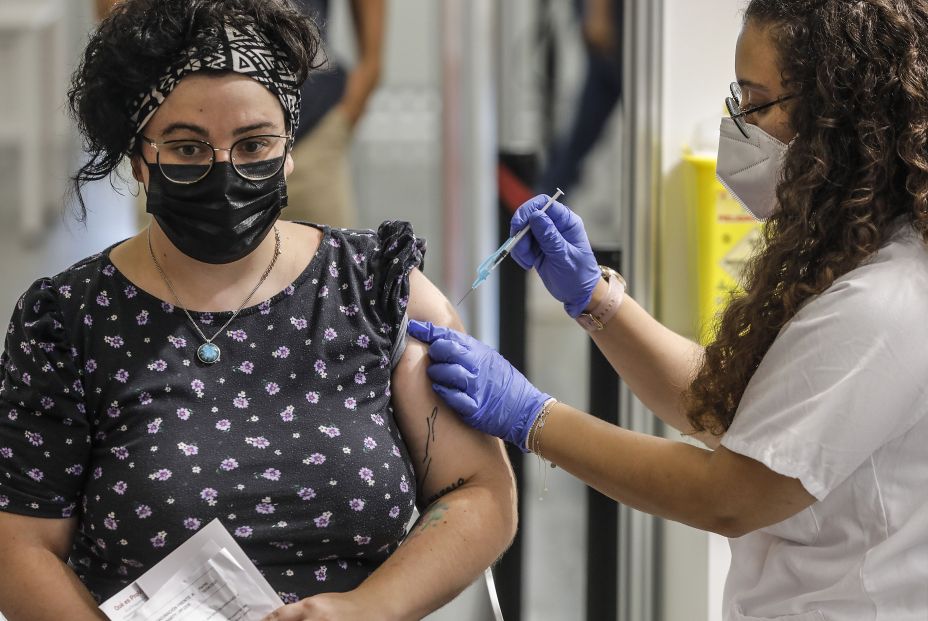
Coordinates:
(208, 577)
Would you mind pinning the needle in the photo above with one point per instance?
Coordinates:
(465, 296)
(499, 255)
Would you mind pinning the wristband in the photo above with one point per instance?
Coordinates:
(597, 318)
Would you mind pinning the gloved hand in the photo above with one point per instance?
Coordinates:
(558, 248)
(487, 392)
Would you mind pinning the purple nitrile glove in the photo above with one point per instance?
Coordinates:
(487, 392)
(558, 248)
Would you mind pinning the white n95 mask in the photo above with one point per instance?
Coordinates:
(750, 168)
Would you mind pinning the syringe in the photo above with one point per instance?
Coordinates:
(503, 251)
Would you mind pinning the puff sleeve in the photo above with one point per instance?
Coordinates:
(398, 252)
(44, 431)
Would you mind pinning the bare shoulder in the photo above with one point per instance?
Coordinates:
(428, 303)
(131, 255)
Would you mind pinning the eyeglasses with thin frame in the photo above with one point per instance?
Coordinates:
(733, 104)
(254, 158)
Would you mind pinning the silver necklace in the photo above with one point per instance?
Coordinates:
(208, 352)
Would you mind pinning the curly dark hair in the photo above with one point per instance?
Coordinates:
(858, 165)
(138, 41)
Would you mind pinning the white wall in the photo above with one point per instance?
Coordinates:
(699, 43)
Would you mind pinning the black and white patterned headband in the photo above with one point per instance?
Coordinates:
(243, 51)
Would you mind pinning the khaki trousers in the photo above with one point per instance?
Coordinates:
(319, 188)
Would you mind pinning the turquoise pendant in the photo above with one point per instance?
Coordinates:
(208, 353)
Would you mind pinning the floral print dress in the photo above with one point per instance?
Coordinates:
(107, 415)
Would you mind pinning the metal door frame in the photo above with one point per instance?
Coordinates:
(639, 539)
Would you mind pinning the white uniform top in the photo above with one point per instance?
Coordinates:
(840, 402)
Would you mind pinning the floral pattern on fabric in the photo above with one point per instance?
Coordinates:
(107, 415)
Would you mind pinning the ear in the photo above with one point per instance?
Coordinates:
(288, 165)
(136, 162)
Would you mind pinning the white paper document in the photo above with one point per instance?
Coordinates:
(208, 577)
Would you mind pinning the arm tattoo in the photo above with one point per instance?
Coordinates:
(432, 518)
(429, 440)
(446, 490)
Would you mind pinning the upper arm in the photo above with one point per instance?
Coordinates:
(104, 7)
(18, 532)
(749, 495)
(369, 18)
(446, 453)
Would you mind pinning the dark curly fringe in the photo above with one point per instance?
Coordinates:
(858, 165)
(138, 40)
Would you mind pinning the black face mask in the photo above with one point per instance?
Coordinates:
(219, 219)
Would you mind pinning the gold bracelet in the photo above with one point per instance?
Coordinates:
(539, 426)
(530, 438)
(533, 442)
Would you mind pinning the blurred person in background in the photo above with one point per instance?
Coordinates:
(334, 101)
(602, 24)
(104, 6)
(224, 363)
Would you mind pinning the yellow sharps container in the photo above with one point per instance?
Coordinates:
(726, 236)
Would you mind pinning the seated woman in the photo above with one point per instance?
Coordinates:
(227, 364)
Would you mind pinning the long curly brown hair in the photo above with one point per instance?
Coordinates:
(858, 164)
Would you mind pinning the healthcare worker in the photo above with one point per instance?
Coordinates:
(814, 394)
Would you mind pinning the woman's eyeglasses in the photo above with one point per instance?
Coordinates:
(254, 158)
(733, 104)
